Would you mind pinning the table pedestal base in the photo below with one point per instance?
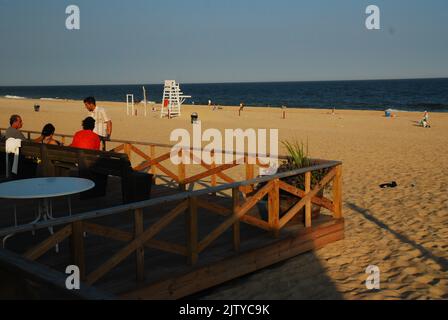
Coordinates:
(44, 213)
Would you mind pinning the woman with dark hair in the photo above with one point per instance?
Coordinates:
(47, 134)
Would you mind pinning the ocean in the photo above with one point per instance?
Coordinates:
(402, 95)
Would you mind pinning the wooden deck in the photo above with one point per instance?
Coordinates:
(168, 269)
(179, 242)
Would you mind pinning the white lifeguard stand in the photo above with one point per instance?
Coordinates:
(130, 106)
(172, 99)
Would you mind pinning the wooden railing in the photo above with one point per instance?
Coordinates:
(188, 203)
(42, 278)
(157, 160)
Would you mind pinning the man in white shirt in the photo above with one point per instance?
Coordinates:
(103, 124)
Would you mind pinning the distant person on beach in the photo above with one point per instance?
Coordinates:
(103, 124)
(46, 137)
(241, 109)
(425, 121)
(86, 138)
(16, 123)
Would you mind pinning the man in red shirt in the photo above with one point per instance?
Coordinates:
(86, 139)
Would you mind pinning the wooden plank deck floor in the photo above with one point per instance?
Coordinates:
(164, 270)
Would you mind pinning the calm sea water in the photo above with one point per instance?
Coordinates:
(406, 95)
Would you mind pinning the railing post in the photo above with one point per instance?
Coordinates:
(77, 248)
(213, 166)
(127, 150)
(152, 154)
(181, 171)
(236, 225)
(308, 202)
(337, 193)
(274, 207)
(192, 231)
(140, 252)
(250, 173)
(29, 135)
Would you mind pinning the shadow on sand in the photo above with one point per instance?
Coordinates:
(299, 278)
(426, 254)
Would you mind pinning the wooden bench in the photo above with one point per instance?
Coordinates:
(41, 160)
(28, 161)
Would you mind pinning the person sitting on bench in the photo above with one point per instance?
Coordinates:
(16, 123)
(47, 134)
(86, 139)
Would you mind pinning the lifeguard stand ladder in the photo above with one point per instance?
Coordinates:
(172, 99)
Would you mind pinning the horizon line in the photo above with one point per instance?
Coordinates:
(225, 82)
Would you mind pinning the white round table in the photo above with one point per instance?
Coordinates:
(43, 189)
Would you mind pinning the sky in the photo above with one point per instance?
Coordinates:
(205, 41)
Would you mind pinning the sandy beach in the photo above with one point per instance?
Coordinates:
(403, 231)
